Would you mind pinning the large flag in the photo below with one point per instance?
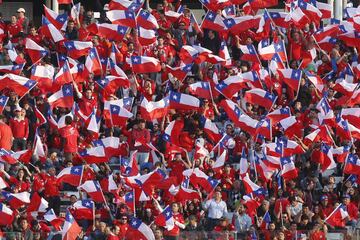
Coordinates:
(20, 85)
(260, 97)
(94, 155)
(143, 64)
(146, 20)
(16, 200)
(165, 219)
(122, 17)
(213, 21)
(58, 20)
(199, 178)
(62, 98)
(49, 30)
(84, 209)
(139, 230)
(183, 101)
(71, 175)
(93, 189)
(34, 50)
(76, 49)
(153, 110)
(291, 77)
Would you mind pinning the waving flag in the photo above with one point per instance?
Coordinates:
(338, 217)
(298, 18)
(326, 158)
(6, 215)
(130, 168)
(63, 76)
(219, 163)
(63, 97)
(16, 200)
(231, 85)
(251, 187)
(315, 80)
(352, 164)
(111, 145)
(213, 21)
(264, 128)
(260, 97)
(244, 166)
(342, 128)
(122, 17)
(51, 217)
(328, 31)
(165, 219)
(224, 54)
(172, 131)
(84, 209)
(200, 89)
(71, 175)
(288, 169)
(15, 69)
(352, 115)
(119, 115)
(279, 114)
(129, 200)
(153, 110)
(146, 20)
(20, 85)
(71, 229)
(113, 32)
(188, 54)
(267, 52)
(291, 77)
(111, 83)
(180, 72)
(15, 58)
(172, 16)
(140, 230)
(143, 64)
(199, 178)
(240, 24)
(43, 75)
(124, 5)
(182, 193)
(3, 102)
(58, 20)
(94, 155)
(183, 101)
(37, 204)
(92, 62)
(249, 53)
(34, 50)
(93, 189)
(232, 110)
(146, 37)
(77, 49)
(212, 131)
(50, 31)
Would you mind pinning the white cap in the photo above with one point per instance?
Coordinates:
(21, 10)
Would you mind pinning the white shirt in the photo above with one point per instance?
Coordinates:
(216, 210)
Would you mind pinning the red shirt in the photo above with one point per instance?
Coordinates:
(87, 105)
(21, 186)
(186, 141)
(5, 136)
(14, 29)
(20, 128)
(70, 134)
(51, 186)
(138, 133)
(176, 230)
(318, 235)
(177, 168)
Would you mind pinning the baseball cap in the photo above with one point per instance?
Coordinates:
(323, 197)
(21, 10)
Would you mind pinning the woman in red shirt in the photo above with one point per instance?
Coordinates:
(179, 223)
(18, 183)
(13, 29)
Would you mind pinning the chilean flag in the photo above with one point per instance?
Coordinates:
(213, 21)
(146, 37)
(172, 131)
(182, 193)
(124, 5)
(183, 101)
(3, 183)
(260, 97)
(3, 102)
(51, 217)
(267, 52)
(291, 77)
(37, 204)
(298, 18)
(6, 215)
(219, 163)
(352, 115)
(16, 69)
(244, 165)
(44, 77)
(200, 89)
(71, 229)
(146, 20)
(5, 156)
(231, 85)
(50, 31)
(93, 189)
(338, 217)
(93, 63)
(34, 50)
(224, 54)
(315, 80)
(129, 199)
(212, 131)
(188, 54)
(342, 128)
(247, 123)
(20, 85)
(165, 219)
(264, 128)
(232, 110)
(180, 72)
(63, 76)
(76, 49)
(71, 175)
(341, 153)
(122, 17)
(288, 169)
(199, 178)
(119, 115)
(143, 64)
(352, 164)
(326, 157)
(111, 145)
(111, 83)
(279, 114)
(251, 187)
(311, 11)
(249, 53)
(113, 32)
(345, 87)
(84, 209)
(153, 110)
(328, 31)
(139, 230)
(62, 98)
(240, 24)
(16, 200)
(130, 168)
(290, 126)
(94, 155)
(123, 103)
(59, 21)
(14, 57)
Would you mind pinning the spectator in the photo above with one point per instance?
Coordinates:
(216, 209)
(242, 221)
(6, 135)
(20, 128)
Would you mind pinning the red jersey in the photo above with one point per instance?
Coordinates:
(70, 135)
(176, 230)
(19, 128)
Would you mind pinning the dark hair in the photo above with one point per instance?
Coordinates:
(68, 120)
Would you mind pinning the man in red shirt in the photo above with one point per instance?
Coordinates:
(86, 103)
(6, 136)
(51, 190)
(140, 132)
(70, 136)
(20, 128)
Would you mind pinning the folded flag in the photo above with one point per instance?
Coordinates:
(268, 51)
(43, 75)
(37, 204)
(129, 168)
(279, 114)
(146, 37)
(180, 72)
(93, 63)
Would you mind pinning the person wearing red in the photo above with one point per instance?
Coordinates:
(14, 29)
(18, 183)
(88, 102)
(51, 190)
(20, 128)
(177, 166)
(227, 177)
(140, 132)
(70, 139)
(325, 207)
(318, 232)
(224, 227)
(351, 209)
(123, 226)
(174, 233)
(6, 135)
(33, 35)
(22, 20)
